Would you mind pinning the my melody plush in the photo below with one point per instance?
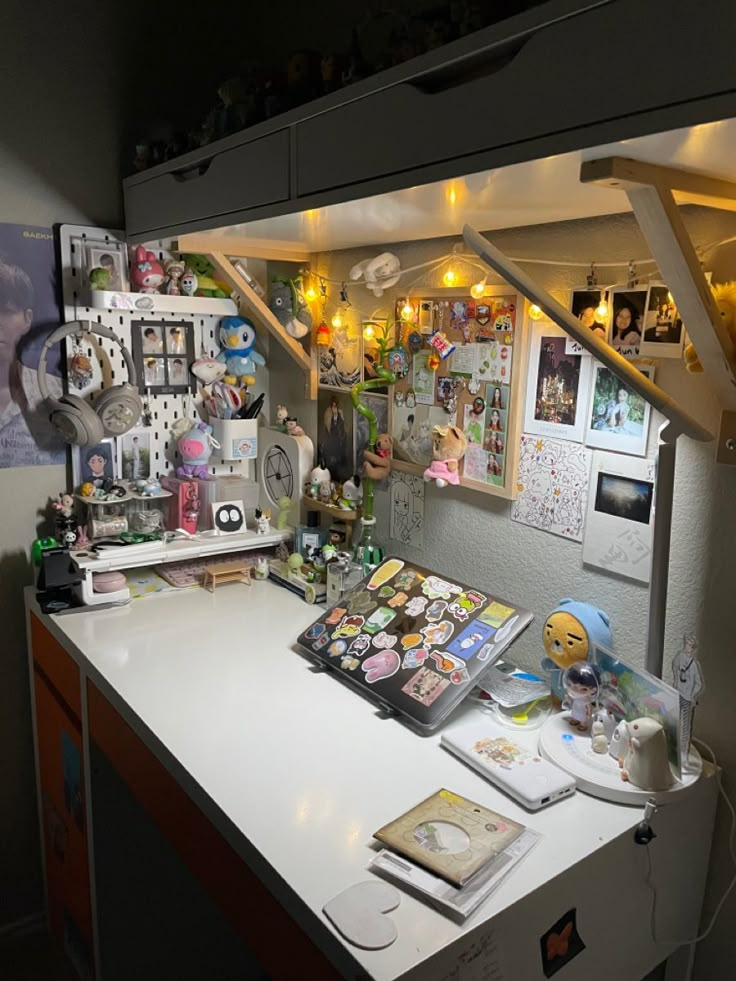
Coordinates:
(725, 297)
(146, 272)
(448, 447)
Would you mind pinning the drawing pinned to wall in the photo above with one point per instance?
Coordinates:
(407, 509)
(552, 486)
(618, 526)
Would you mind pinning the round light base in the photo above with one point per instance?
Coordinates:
(598, 774)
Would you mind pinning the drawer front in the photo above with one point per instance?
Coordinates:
(255, 173)
(57, 665)
(599, 65)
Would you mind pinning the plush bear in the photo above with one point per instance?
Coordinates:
(378, 465)
(449, 444)
(725, 296)
(569, 634)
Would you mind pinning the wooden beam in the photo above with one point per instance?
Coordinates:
(623, 369)
(243, 247)
(250, 299)
(623, 174)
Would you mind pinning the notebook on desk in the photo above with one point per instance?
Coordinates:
(413, 641)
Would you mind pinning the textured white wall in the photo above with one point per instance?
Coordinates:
(471, 536)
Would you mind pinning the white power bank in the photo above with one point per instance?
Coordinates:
(517, 770)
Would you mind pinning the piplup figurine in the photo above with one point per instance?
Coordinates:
(725, 297)
(449, 444)
(570, 633)
(581, 684)
(645, 764)
(289, 305)
(238, 340)
(146, 272)
(377, 465)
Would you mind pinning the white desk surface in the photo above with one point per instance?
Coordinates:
(302, 766)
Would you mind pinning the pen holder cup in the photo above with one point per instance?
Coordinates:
(238, 438)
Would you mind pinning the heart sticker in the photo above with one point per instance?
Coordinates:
(358, 913)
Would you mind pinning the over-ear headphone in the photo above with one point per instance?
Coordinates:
(115, 410)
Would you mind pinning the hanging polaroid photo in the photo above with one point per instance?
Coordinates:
(627, 324)
(663, 330)
(590, 307)
(619, 416)
(558, 386)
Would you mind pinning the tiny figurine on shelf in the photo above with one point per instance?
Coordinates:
(377, 274)
(146, 272)
(288, 304)
(570, 633)
(295, 562)
(195, 449)
(282, 414)
(687, 677)
(448, 448)
(261, 569)
(598, 741)
(263, 522)
(282, 518)
(174, 269)
(329, 553)
(238, 339)
(87, 489)
(608, 721)
(82, 538)
(99, 278)
(203, 269)
(188, 283)
(293, 428)
(326, 489)
(151, 487)
(317, 477)
(582, 684)
(64, 504)
(377, 465)
(352, 494)
(645, 764)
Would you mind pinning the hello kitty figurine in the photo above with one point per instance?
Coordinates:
(263, 522)
(146, 272)
(645, 764)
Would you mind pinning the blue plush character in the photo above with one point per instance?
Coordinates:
(569, 634)
(238, 339)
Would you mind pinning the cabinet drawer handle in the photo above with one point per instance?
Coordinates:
(482, 64)
(192, 172)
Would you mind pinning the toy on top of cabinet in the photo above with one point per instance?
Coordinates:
(645, 764)
(237, 336)
(146, 272)
(570, 633)
(319, 475)
(195, 449)
(449, 444)
(288, 304)
(282, 414)
(174, 269)
(582, 684)
(292, 427)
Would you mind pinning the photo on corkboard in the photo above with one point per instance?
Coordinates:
(412, 432)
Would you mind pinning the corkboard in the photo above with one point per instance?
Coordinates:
(489, 362)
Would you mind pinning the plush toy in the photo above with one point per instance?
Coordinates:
(378, 274)
(378, 465)
(569, 635)
(99, 278)
(238, 338)
(289, 306)
(146, 272)
(203, 269)
(195, 449)
(448, 448)
(725, 296)
(64, 504)
(174, 272)
(645, 764)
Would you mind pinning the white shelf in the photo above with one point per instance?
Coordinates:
(153, 553)
(149, 303)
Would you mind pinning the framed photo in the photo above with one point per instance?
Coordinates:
(335, 434)
(627, 320)
(94, 464)
(162, 353)
(619, 417)
(663, 330)
(134, 454)
(111, 256)
(558, 386)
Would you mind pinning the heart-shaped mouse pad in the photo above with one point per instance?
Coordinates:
(358, 914)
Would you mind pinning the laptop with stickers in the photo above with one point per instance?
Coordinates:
(412, 641)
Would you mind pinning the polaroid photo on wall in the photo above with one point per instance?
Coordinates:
(628, 309)
(663, 330)
(619, 417)
(620, 516)
(585, 306)
(558, 386)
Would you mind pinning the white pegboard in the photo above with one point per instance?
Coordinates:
(108, 365)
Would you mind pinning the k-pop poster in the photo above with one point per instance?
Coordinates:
(29, 311)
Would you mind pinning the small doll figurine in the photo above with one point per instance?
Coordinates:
(263, 522)
(64, 504)
(282, 414)
(293, 428)
(582, 685)
(448, 448)
(282, 518)
(82, 539)
(261, 570)
(377, 465)
(352, 494)
(146, 272)
(188, 283)
(645, 764)
(325, 491)
(174, 272)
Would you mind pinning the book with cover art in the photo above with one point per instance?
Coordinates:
(449, 835)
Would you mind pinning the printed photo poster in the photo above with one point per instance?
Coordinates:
(335, 434)
(552, 486)
(619, 417)
(29, 311)
(663, 330)
(407, 509)
(558, 386)
(340, 360)
(627, 325)
(412, 431)
(379, 406)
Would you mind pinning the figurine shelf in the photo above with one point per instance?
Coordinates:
(162, 303)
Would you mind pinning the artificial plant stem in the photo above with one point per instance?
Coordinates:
(385, 377)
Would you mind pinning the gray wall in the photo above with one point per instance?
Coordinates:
(59, 154)
(466, 531)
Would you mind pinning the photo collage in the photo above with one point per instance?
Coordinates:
(162, 352)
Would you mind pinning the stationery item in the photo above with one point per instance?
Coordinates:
(359, 914)
(517, 688)
(450, 836)
(254, 409)
(517, 770)
(458, 903)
